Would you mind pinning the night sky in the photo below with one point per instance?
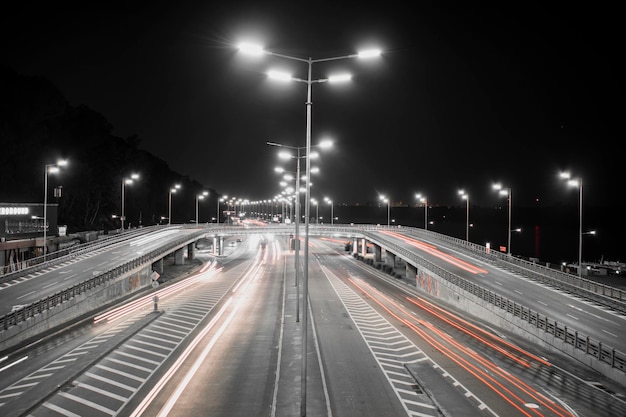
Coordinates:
(461, 96)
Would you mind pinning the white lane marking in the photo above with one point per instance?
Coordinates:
(25, 295)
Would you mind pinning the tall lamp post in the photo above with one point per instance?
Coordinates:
(126, 181)
(248, 48)
(317, 210)
(332, 215)
(287, 155)
(509, 196)
(577, 182)
(423, 199)
(200, 197)
(465, 196)
(169, 203)
(298, 157)
(48, 169)
(386, 200)
(217, 215)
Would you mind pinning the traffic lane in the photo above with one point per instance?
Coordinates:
(569, 382)
(187, 307)
(346, 269)
(356, 383)
(232, 371)
(26, 371)
(586, 317)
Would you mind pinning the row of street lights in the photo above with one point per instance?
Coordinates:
(573, 182)
(317, 213)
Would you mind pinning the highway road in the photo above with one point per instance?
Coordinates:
(225, 341)
(59, 276)
(587, 317)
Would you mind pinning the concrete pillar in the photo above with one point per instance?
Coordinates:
(191, 250)
(158, 266)
(411, 271)
(179, 257)
(355, 243)
(363, 247)
(377, 253)
(390, 259)
(221, 246)
(214, 245)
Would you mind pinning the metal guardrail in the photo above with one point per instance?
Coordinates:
(15, 317)
(38, 263)
(604, 353)
(611, 297)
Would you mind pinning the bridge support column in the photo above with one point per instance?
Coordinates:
(390, 259)
(215, 245)
(355, 245)
(363, 247)
(221, 246)
(158, 266)
(377, 253)
(411, 271)
(191, 250)
(179, 257)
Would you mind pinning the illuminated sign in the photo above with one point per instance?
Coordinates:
(14, 211)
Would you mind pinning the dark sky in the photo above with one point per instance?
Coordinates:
(462, 96)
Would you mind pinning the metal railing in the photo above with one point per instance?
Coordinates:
(26, 266)
(15, 317)
(604, 353)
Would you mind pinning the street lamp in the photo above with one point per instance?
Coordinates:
(386, 200)
(324, 144)
(172, 190)
(507, 192)
(256, 50)
(317, 210)
(52, 169)
(577, 182)
(425, 201)
(332, 216)
(133, 178)
(200, 197)
(465, 197)
(217, 215)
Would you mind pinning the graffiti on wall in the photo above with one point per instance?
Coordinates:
(427, 283)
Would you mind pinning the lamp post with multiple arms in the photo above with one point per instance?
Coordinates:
(465, 196)
(126, 181)
(424, 200)
(386, 200)
(332, 215)
(48, 169)
(577, 182)
(298, 157)
(509, 196)
(200, 197)
(253, 49)
(169, 202)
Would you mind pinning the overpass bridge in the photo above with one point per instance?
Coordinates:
(19, 326)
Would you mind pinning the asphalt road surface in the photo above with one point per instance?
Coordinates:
(225, 339)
